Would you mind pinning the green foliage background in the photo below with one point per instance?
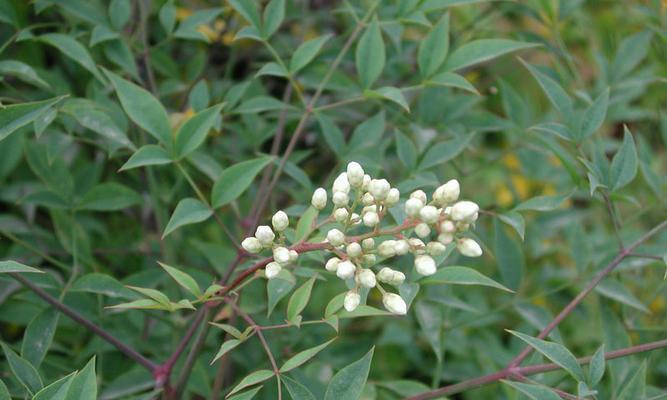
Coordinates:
(141, 131)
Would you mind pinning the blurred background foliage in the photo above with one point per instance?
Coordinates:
(495, 129)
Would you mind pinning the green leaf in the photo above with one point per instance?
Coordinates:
(273, 69)
(38, 336)
(252, 379)
(509, 257)
(247, 395)
(13, 266)
(456, 275)
(516, 221)
(368, 133)
(406, 149)
(103, 284)
(23, 72)
(274, 14)
(361, 311)
(190, 27)
(451, 79)
(431, 322)
(248, 10)
(167, 16)
(98, 119)
(370, 55)
(74, 50)
(613, 289)
(229, 329)
(434, 47)
(193, 132)
(349, 382)
(142, 108)
(155, 295)
(24, 372)
(16, 116)
(556, 94)
(235, 180)
(260, 104)
(142, 304)
(635, 386)
(532, 391)
(306, 52)
(119, 13)
(296, 390)
(299, 300)
(183, 279)
(149, 154)
(390, 93)
(442, 152)
(84, 385)
(555, 352)
(542, 203)
(57, 390)
(482, 50)
(594, 116)
(629, 54)
(624, 164)
(4, 392)
(225, 348)
(303, 356)
(109, 196)
(332, 134)
(596, 367)
(188, 211)
(277, 288)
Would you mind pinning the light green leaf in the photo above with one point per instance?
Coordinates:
(368, 133)
(348, 383)
(451, 79)
(188, 211)
(361, 311)
(556, 94)
(613, 289)
(248, 10)
(509, 257)
(299, 300)
(236, 179)
(596, 367)
(193, 132)
(391, 94)
(406, 149)
(13, 266)
(555, 352)
(543, 203)
(635, 386)
(434, 47)
(297, 390)
(74, 50)
(225, 348)
(101, 34)
(16, 116)
(594, 116)
(24, 372)
(109, 196)
(532, 391)
(516, 221)
(142, 304)
(167, 16)
(629, 54)
(370, 55)
(119, 13)
(442, 152)
(38, 336)
(229, 329)
(273, 17)
(252, 379)
(22, 71)
(306, 52)
(482, 50)
(84, 385)
(102, 284)
(303, 357)
(183, 279)
(455, 275)
(624, 164)
(260, 104)
(247, 395)
(277, 288)
(332, 134)
(57, 390)
(273, 69)
(149, 154)
(142, 108)
(94, 117)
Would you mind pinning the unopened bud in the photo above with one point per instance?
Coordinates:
(281, 255)
(447, 193)
(436, 249)
(332, 264)
(355, 174)
(351, 301)
(353, 249)
(394, 303)
(319, 200)
(367, 278)
(379, 188)
(387, 248)
(422, 230)
(345, 269)
(341, 214)
(340, 199)
(401, 247)
(265, 235)
(420, 195)
(251, 245)
(392, 197)
(367, 199)
(469, 247)
(371, 219)
(336, 237)
(272, 269)
(425, 265)
(429, 214)
(368, 244)
(280, 221)
(465, 211)
(413, 206)
(341, 184)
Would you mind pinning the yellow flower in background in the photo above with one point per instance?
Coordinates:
(182, 13)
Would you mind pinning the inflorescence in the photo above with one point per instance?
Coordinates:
(361, 201)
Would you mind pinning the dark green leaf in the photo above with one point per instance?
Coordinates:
(13, 266)
(183, 279)
(532, 391)
(274, 13)
(482, 50)
(624, 164)
(26, 374)
(554, 352)
(299, 300)
(188, 211)
(455, 275)
(406, 149)
(442, 152)
(252, 379)
(596, 367)
(434, 47)
(303, 357)
(16, 116)
(109, 196)
(297, 390)
(147, 155)
(306, 52)
(509, 256)
(225, 348)
(74, 50)
(451, 79)
(248, 10)
(84, 385)
(57, 390)
(595, 115)
(349, 382)
(38, 336)
(235, 180)
(370, 55)
(556, 94)
(368, 133)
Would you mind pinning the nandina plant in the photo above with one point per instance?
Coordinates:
(366, 199)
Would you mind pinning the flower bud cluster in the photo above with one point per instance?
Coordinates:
(265, 238)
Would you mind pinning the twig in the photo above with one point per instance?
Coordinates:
(192, 356)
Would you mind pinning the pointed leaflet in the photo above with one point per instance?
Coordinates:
(533, 392)
(634, 386)
(299, 299)
(248, 10)
(456, 275)
(16, 116)
(55, 391)
(596, 367)
(38, 336)
(26, 374)
(509, 257)
(84, 385)
(594, 116)
(451, 79)
(274, 13)
(188, 211)
(149, 154)
(303, 356)
(433, 49)
(225, 348)
(183, 279)
(252, 379)
(142, 108)
(74, 50)
(109, 196)
(556, 94)
(542, 203)
(193, 132)
(482, 50)
(22, 71)
(624, 164)
(306, 52)
(297, 390)
(235, 180)
(370, 55)
(13, 266)
(392, 94)
(554, 352)
(349, 382)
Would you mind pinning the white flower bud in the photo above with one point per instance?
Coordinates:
(379, 188)
(413, 206)
(293, 256)
(416, 244)
(447, 193)
(352, 300)
(445, 238)
(319, 200)
(367, 181)
(392, 197)
(341, 184)
(429, 214)
(367, 278)
(422, 230)
(355, 174)
(272, 269)
(371, 219)
(341, 214)
(332, 264)
(390, 276)
(419, 194)
(469, 247)
(464, 211)
(371, 208)
(281, 255)
(355, 219)
(345, 269)
(425, 265)
(447, 227)
(340, 199)
(401, 247)
(353, 249)
(368, 244)
(435, 248)
(336, 237)
(367, 199)
(394, 303)
(251, 245)
(387, 248)
(463, 226)
(280, 221)
(265, 235)
(368, 259)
